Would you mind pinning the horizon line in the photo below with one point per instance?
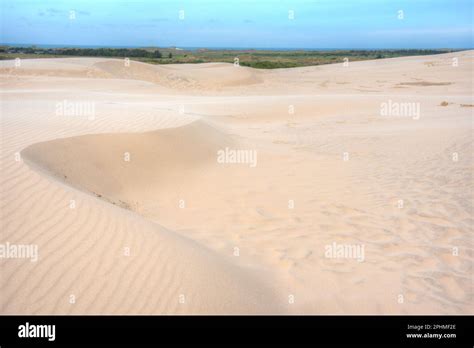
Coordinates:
(42, 45)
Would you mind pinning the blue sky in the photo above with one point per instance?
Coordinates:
(240, 23)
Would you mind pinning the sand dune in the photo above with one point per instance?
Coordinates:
(332, 168)
(121, 166)
(207, 76)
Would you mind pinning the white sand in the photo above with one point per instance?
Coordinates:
(172, 120)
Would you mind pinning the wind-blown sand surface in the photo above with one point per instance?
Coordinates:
(171, 230)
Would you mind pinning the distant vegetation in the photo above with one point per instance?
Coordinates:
(109, 52)
(260, 59)
(86, 52)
